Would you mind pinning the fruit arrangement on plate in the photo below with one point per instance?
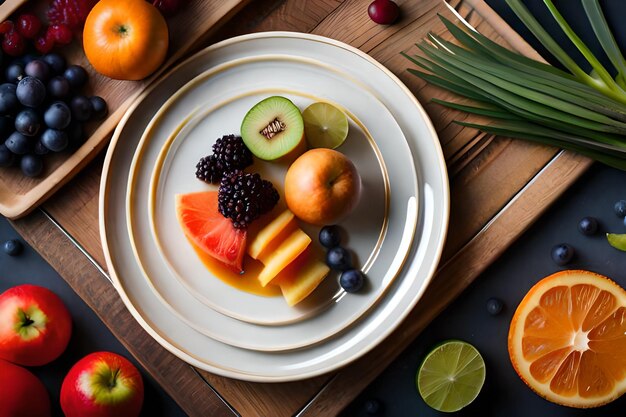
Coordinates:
(243, 222)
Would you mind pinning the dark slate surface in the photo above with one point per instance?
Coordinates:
(509, 278)
(89, 333)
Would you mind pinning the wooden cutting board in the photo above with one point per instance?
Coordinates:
(499, 187)
(193, 24)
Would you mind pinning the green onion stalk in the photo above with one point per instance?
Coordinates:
(527, 99)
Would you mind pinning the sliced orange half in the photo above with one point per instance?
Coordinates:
(567, 339)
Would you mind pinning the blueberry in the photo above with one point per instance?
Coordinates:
(8, 98)
(30, 91)
(31, 165)
(351, 280)
(59, 87)
(339, 259)
(12, 247)
(330, 236)
(27, 122)
(373, 407)
(81, 108)
(14, 73)
(99, 107)
(6, 156)
(28, 58)
(19, 144)
(58, 115)
(562, 254)
(620, 208)
(76, 75)
(56, 63)
(54, 140)
(40, 149)
(494, 306)
(39, 69)
(6, 126)
(588, 226)
(76, 134)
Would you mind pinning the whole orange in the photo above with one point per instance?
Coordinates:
(125, 39)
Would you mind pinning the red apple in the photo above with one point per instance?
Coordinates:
(21, 393)
(102, 384)
(322, 186)
(35, 325)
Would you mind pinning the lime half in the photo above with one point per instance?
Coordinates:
(451, 376)
(325, 126)
(618, 241)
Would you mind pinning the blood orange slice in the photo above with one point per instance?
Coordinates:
(205, 226)
(567, 339)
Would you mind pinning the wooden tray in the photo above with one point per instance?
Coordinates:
(19, 194)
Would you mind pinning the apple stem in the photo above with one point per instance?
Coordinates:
(25, 320)
(113, 380)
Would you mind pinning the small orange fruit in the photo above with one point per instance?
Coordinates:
(567, 339)
(125, 39)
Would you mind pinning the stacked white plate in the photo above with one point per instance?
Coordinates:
(396, 232)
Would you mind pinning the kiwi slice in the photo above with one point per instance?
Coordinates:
(272, 128)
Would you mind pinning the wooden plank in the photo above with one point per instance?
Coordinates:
(176, 377)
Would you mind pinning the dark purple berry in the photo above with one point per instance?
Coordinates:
(39, 69)
(620, 208)
(351, 280)
(562, 254)
(588, 226)
(12, 247)
(76, 75)
(58, 115)
(330, 236)
(7, 158)
(20, 144)
(31, 165)
(99, 107)
(339, 259)
(494, 306)
(30, 91)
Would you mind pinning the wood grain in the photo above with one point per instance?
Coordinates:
(498, 187)
(179, 379)
(20, 194)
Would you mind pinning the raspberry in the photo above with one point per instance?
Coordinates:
(61, 34)
(6, 27)
(28, 25)
(13, 43)
(44, 44)
(72, 13)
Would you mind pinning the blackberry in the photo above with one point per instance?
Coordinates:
(232, 152)
(244, 197)
(210, 169)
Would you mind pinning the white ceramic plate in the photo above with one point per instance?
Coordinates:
(163, 163)
(403, 292)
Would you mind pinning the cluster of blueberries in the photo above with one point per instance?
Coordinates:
(339, 259)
